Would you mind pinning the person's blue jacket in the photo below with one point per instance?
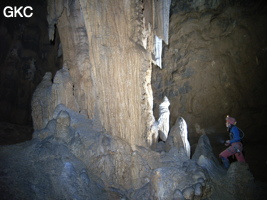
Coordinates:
(234, 134)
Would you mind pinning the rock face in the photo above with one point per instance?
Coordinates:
(48, 95)
(214, 65)
(25, 56)
(107, 48)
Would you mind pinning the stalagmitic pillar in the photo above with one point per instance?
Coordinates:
(107, 47)
(164, 119)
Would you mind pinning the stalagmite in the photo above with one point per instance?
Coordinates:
(163, 121)
(184, 135)
(178, 138)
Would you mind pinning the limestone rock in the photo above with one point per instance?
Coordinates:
(160, 128)
(26, 55)
(50, 94)
(163, 121)
(116, 168)
(63, 90)
(112, 83)
(199, 78)
(74, 158)
(167, 181)
(106, 77)
(195, 5)
(240, 178)
(42, 108)
(178, 137)
(110, 159)
(54, 174)
(158, 52)
(189, 193)
(106, 156)
(140, 194)
(62, 126)
(162, 13)
(238, 175)
(178, 195)
(54, 11)
(204, 148)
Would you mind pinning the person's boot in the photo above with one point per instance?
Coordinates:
(226, 162)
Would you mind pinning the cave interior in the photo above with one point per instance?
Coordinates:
(213, 64)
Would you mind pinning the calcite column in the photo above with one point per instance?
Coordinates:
(107, 47)
(118, 69)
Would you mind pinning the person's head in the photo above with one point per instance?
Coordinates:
(230, 121)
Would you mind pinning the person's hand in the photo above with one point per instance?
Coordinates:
(227, 143)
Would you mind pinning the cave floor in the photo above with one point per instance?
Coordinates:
(255, 153)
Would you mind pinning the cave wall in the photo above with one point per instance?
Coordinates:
(25, 55)
(214, 65)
